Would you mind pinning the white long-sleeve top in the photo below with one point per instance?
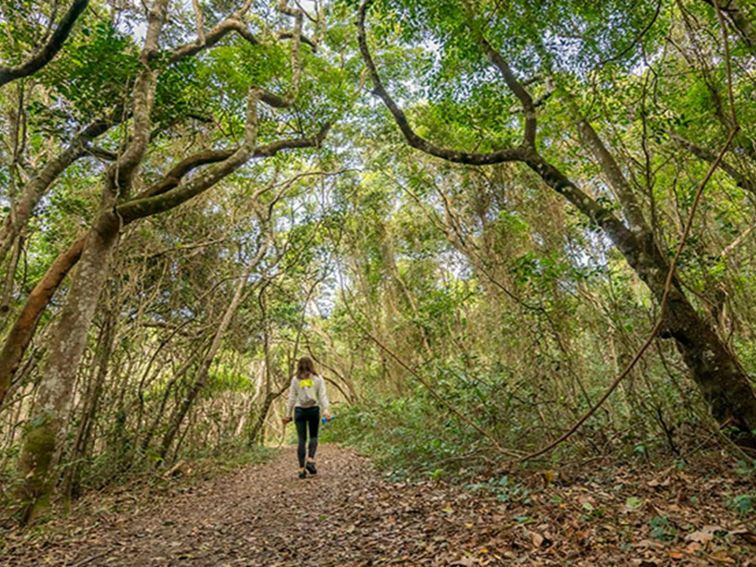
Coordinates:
(307, 392)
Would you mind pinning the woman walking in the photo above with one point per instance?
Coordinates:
(307, 398)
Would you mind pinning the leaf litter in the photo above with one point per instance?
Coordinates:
(350, 514)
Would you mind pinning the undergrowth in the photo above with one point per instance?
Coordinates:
(142, 475)
(415, 436)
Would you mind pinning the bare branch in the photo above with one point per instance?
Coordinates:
(200, 19)
(289, 34)
(186, 165)
(212, 37)
(283, 7)
(610, 168)
(120, 174)
(99, 152)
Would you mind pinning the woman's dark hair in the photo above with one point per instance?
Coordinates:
(305, 367)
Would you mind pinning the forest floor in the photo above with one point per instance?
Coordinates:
(351, 514)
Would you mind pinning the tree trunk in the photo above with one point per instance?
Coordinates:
(91, 404)
(23, 330)
(254, 431)
(722, 381)
(59, 374)
(725, 385)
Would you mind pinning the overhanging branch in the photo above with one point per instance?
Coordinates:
(49, 50)
(413, 139)
(157, 203)
(221, 30)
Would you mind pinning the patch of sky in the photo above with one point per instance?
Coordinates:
(455, 263)
(593, 256)
(324, 300)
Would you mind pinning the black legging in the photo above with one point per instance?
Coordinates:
(304, 417)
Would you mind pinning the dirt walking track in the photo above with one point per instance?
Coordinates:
(351, 515)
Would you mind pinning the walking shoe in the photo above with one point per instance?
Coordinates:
(302, 474)
(311, 468)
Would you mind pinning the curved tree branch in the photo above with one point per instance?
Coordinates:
(526, 153)
(49, 50)
(413, 139)
(171, 179)
(156, 203)
(221, 30)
